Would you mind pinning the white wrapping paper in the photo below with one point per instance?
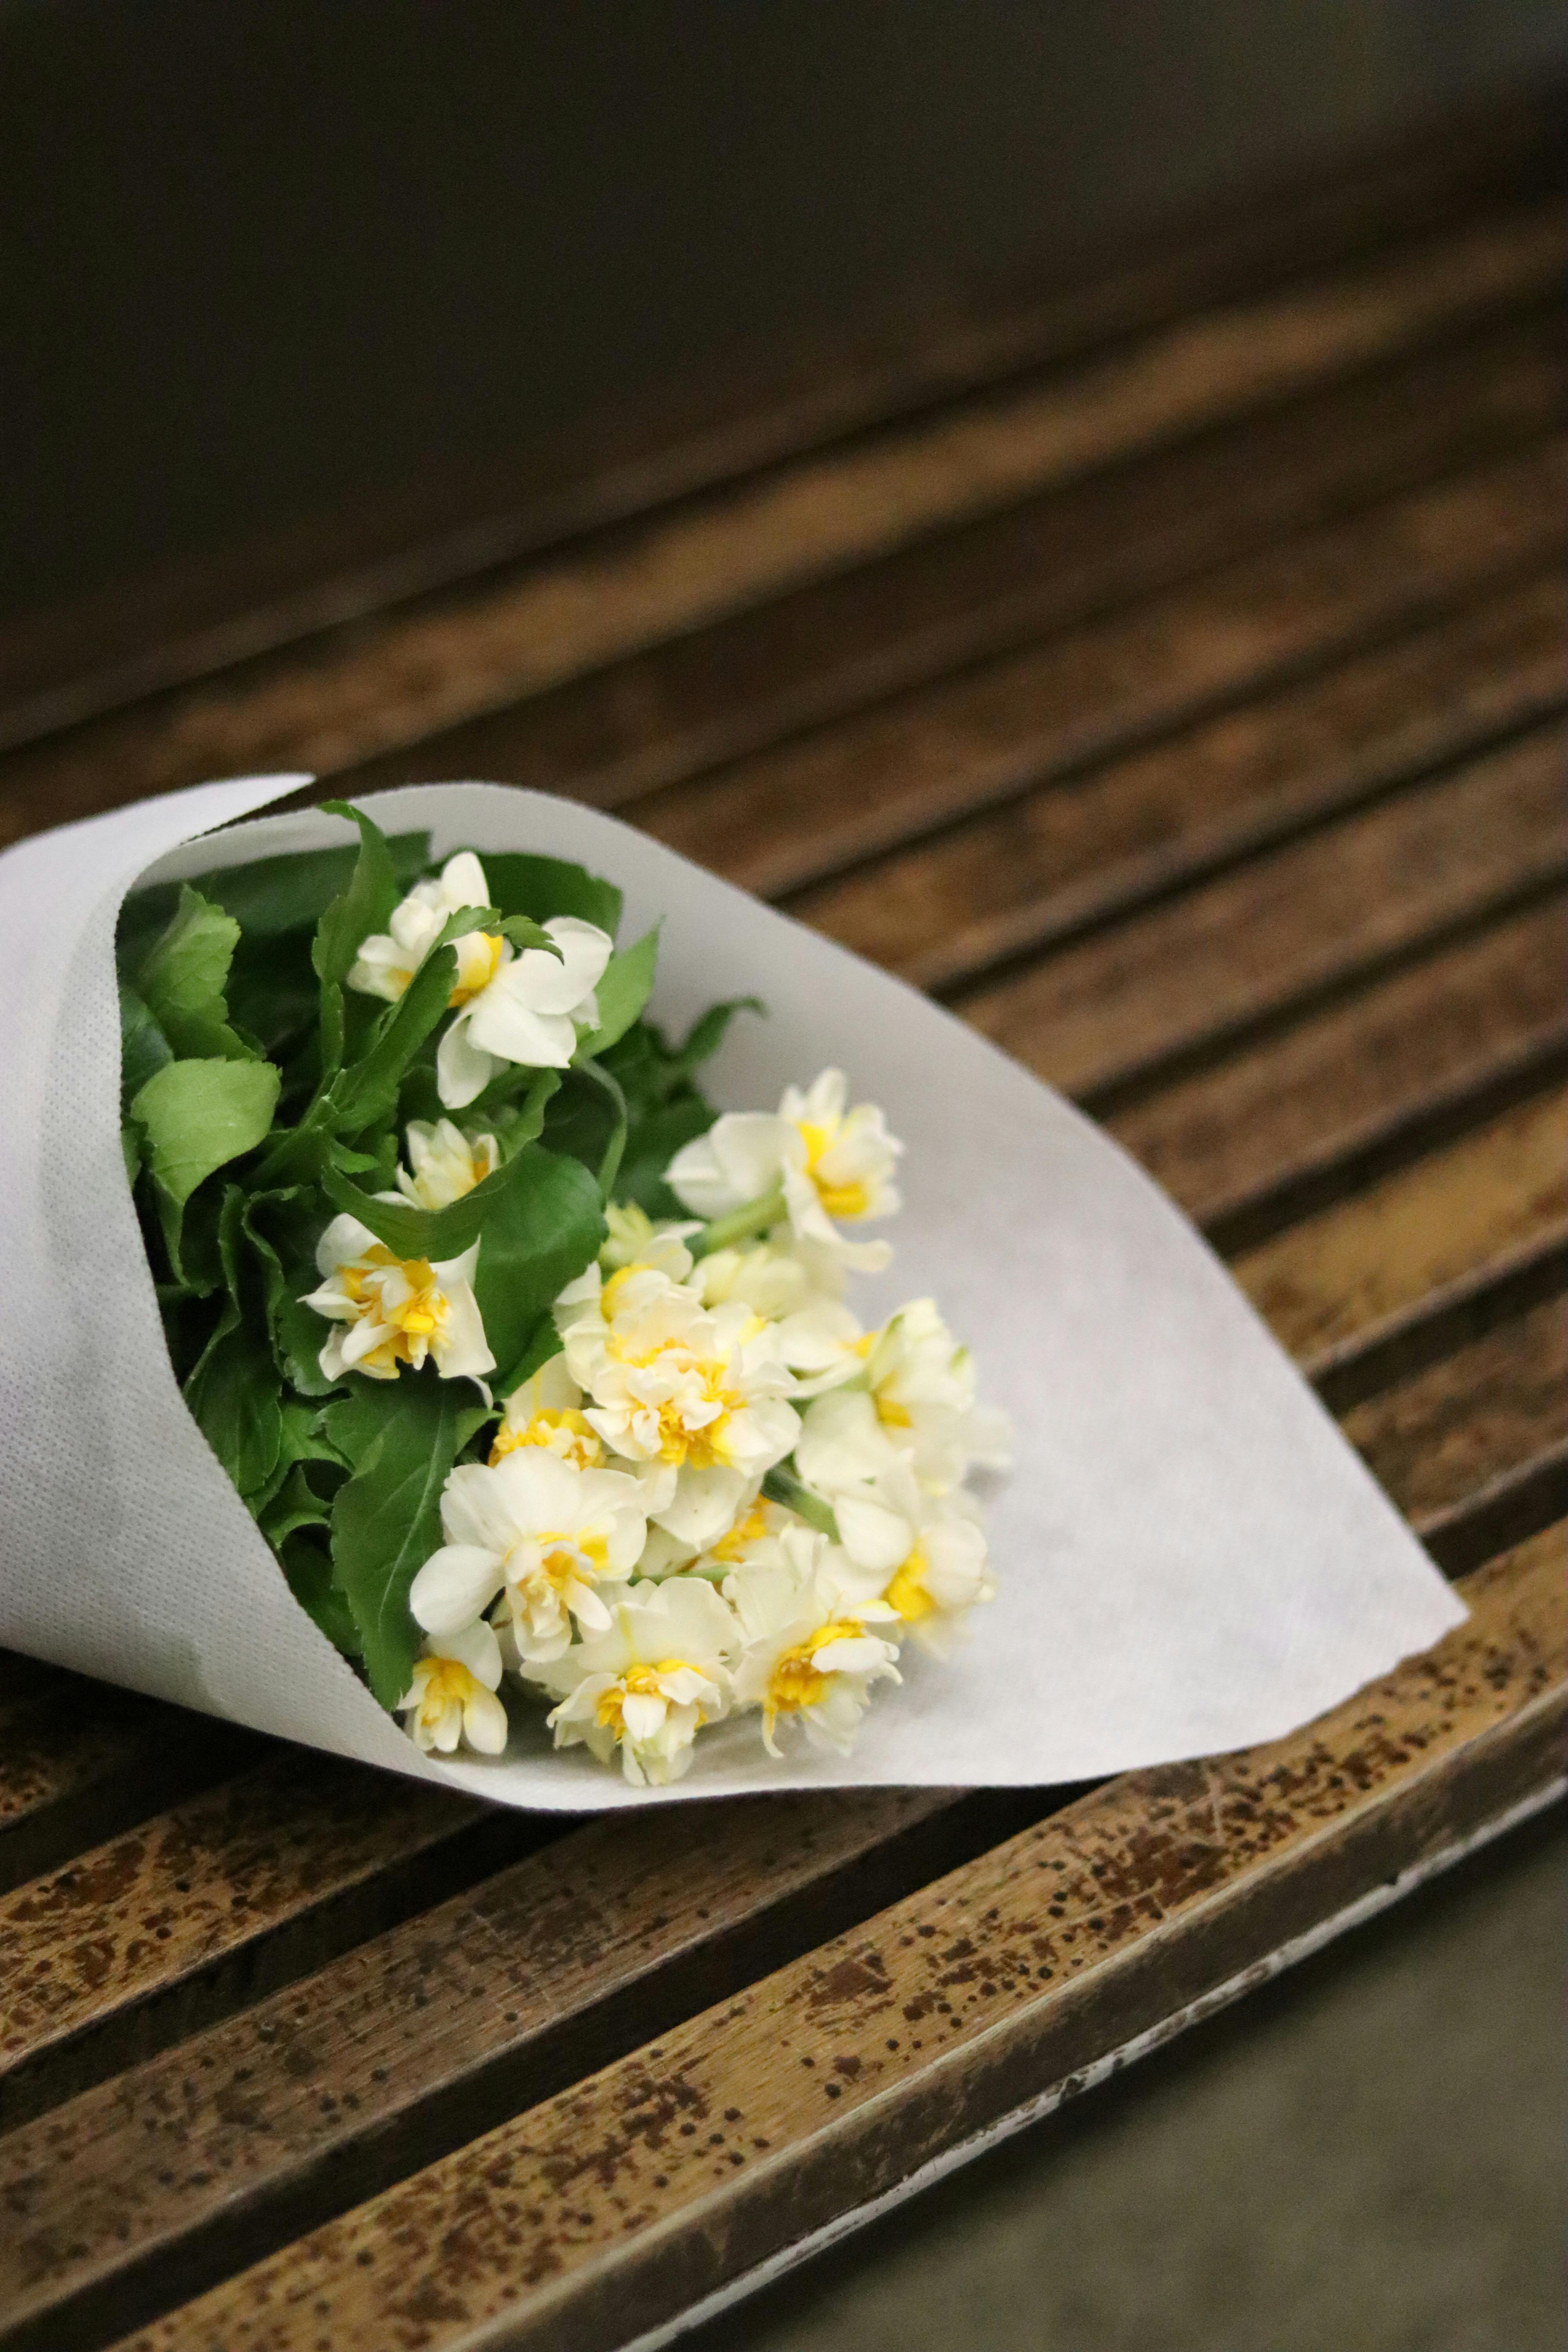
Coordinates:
(1190, 1558)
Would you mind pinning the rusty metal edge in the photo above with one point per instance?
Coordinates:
(1360, 1866)
(1045, 2102)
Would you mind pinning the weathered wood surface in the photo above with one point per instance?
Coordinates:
(1178, 688)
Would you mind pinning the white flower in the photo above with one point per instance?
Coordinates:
(546, 1410)
(925, 1558)
(445, 1163)
(395, 1311)
(843, 1443)
(920, 1383)
(807, 1654)
(511, 1008)
(389, 959)
(648, 1682)
(529, 1011)
(452, 1694)
(634, 1239)
(830, 1163)
(542, 1534)
(698, 1398)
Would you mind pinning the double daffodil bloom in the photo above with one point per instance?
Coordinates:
(524, 1008)
(543, 1535)
(393, 1311)
(696, 1400)
(547, 1410)
(826, 1164)
(809, 1658)
(648, 1682)
(444, 1163)
(451, 1696)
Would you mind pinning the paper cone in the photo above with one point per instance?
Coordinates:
(1189, 1555)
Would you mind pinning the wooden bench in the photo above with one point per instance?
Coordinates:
(1168, 672)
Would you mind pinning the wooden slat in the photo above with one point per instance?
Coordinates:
(620, 2203)
(1300, 1102)
(1065, 858)
(821, 653)
(192, 2163)
(246, 1887)
(1489, 1410)
(1102, 1013)
(798, 815)
(339, 700)
(1341, 1271)
(324, 569)
(1454, 1314)
(79, 1761)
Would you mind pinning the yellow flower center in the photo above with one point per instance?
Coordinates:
(850, 1200)
(636, 1682)
(748, 1530)
(702, 1446)
(441, 1684)
(567, 1432)
(415, 1318)
(907, 1594)
(561, 1557)
(479, 957)
(795, 1682)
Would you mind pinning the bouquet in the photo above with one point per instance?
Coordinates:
(420, 1333)
(536, 1373)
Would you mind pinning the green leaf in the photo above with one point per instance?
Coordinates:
(363, 906)
(625, 989)
(366, 1094)
(543, 1232)
(293, 1506)
(653, 1144)
(387, 1522)
(200, 1115)
(544, 888)
(308, 1567)
(524, 932)
(271, 897)
(544, 1343)
(446, 1233)
(708, 1032)
(234, 1397)
(131, 1151)
(143, 1048)
(184, 977)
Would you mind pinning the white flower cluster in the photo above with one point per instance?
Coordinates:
(722, 1494)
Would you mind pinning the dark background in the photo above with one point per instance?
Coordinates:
(264, 258)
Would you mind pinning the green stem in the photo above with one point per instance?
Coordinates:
(782, 1486)
(610, 1165)
(755, 1217)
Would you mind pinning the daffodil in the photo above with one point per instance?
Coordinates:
(648, 1680)
(699, 1400)
(923, 1556)
(451, 1696)
(540, 1534)
(392, 1311)
(813, 1165)
(920, 1381)
(444, 1163)
(809, 1657)
(511, 1008)
(547, 1410)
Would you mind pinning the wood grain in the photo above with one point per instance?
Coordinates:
(689, 2162)
(1436, 1439)
(212, 1903)
(1342, 1271)
(930, 759)
(327, 568)
(194, 2161)
(1070, 856)
(1348, 899)
(823, 652)
(1304, 1099)
(349, 695)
